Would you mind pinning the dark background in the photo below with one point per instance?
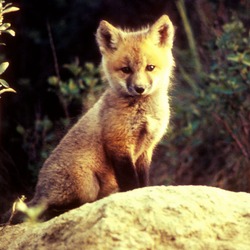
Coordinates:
(198, 149)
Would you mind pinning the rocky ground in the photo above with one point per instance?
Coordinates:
(181, 217)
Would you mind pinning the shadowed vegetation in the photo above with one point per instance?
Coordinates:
(54, 69)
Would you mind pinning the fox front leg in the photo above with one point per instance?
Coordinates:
(125, 172)
(142, 168)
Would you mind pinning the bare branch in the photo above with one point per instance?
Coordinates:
(229, 130)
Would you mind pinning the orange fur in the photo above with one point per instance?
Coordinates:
(110, 148)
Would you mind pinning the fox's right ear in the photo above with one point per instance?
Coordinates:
(162, 31)
(107, 37)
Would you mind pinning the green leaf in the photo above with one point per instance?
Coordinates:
(4, 83)
(7, 5)
(234, 58)
(20, 129)
(73, 68)
(222, 90)
(64, 89)
(11, 32)
(53, 80)
(10, 9)
(3, 67)
(195, 125)
(89, 66)
(47, 123)
(73, 87)
(246, 59)
(4, 26)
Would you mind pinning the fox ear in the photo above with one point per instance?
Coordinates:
(162, 31)
(107, 36)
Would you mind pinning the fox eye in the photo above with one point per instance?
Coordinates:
(126, 70)
(150, 67)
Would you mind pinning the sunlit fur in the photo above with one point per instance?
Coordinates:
(110, 148)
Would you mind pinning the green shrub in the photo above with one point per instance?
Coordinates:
(226, 94)
(81, 89)
(83, 86)
(211, 132)
(5, 28)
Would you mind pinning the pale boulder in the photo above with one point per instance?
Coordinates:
(174, 217)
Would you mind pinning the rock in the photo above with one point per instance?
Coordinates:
(181, 217)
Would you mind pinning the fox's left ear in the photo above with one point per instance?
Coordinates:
(162, 31)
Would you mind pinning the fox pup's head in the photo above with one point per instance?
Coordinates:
(139, 62)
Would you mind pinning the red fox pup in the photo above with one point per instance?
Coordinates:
(110, 148)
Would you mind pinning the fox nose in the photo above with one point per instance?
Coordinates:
(139, 90)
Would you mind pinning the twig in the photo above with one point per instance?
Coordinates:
(245, 125)
(53, 49)
(229, 130)
(190, 36)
